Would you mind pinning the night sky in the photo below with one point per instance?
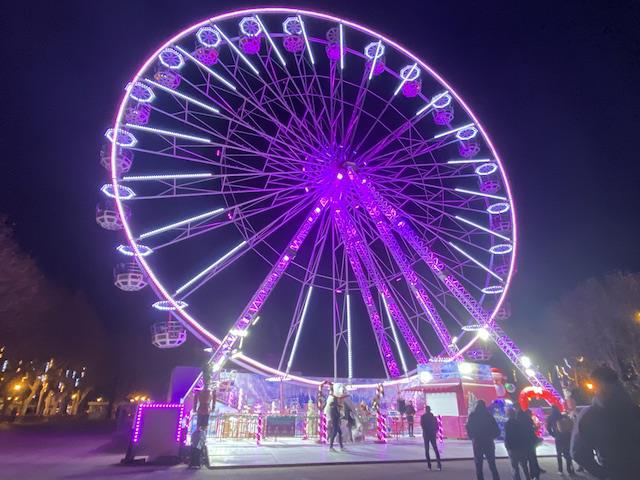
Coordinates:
(556, 84)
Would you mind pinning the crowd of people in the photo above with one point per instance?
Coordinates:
(604, 439)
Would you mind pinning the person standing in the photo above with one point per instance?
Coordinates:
(410, 412)
(429, 424)
(559, 427)
(516, 442)
(202, 403)
(610, 426)
(524, 416)
(350, 422)
(334, 414)
(483, 429)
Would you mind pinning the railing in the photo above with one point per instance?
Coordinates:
(230, 426)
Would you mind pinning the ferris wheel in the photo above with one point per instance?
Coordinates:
(303, 168)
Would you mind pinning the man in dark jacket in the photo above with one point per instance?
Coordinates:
(559, 427)
(611, 428)
(410, 411)
(483, 429)
(526, 418)
(334, 414)
(429, 424)
(516, 441)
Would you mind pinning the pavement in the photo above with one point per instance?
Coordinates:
(55, 454)
(297, 452)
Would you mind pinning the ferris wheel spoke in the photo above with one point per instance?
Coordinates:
(356, 110)
(234, 254)
(395, 313)
(413, 281)
(198, 218)
(386, 354)
(244, 321)
(298, 317)
(252, 239)
(237, 119)
(394, 135)
(445, 236)
(324, 117)
(429, 257)
(242, 144)
(251, 97)
(228, 113)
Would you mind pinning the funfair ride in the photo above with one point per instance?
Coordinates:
(336, 164)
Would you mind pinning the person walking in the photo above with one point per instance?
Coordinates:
(610, 426)
(410, 412)
(334, 414)
(516, 442)
(483, 429)
(559, 426)
(429, 424)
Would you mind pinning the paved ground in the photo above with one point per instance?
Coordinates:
(287, 452)
(71, 454)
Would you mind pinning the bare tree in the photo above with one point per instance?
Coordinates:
(598, 320)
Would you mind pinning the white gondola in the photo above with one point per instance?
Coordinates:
(168, 334)
(129, 277)
(107, 215)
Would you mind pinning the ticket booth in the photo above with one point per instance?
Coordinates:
(452, 389)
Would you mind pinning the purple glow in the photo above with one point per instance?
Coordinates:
(190, 320)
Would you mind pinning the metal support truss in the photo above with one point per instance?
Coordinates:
(510, 349)
(376, 322)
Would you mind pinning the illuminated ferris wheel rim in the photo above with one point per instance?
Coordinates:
(178, 308)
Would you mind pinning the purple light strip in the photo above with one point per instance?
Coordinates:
(195, 326)
(138, 423)
(412, 279)
(376, 322)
